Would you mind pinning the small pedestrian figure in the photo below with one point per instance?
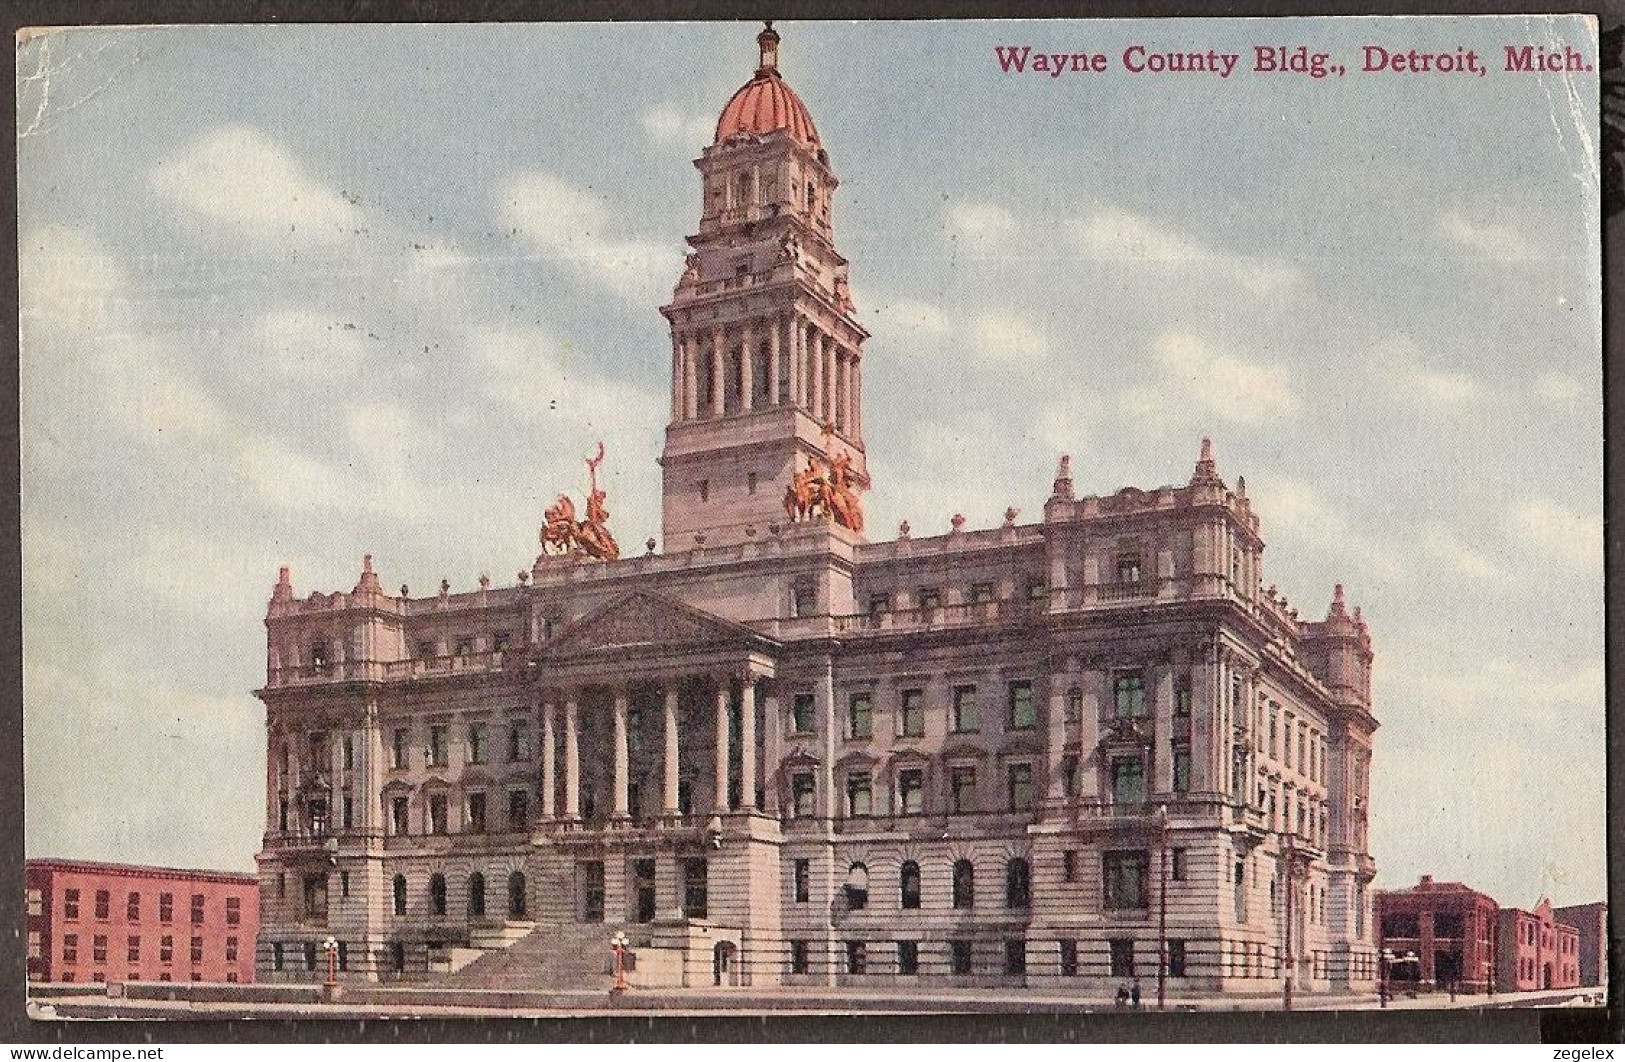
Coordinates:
(1122, 996)
(1134, 995)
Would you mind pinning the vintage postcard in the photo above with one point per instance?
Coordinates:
(566, 519)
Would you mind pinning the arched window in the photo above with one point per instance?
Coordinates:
(437, 894)
(476, 895)
(857, 887)
(516, 895)
(964, 884)
(910, 885)
(1018, 883)
(400, 894)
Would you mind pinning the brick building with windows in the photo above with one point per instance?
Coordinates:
(1535, 951)
(1448, 927)
(1591, 922)
(97, 922)
(777, 751)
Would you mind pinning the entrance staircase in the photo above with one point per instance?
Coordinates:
(545, 957)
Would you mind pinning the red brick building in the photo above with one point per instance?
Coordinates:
(1591, 919)
(1535, 951)
(1450, 929)
(114, 922)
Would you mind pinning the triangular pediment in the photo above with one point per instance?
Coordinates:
(644, 620)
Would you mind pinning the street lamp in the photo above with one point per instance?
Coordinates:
(331, 946)
(1289, 964)
(618, 944)
(1162, 910)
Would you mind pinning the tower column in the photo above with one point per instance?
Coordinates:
(747, 741)
(676, 377)
(747, 369)
(720, 797)
(572, 755)
(622, 704)
(816, 385)
(843, 390)
(718, 378)
(798, 390)
(668, 790)
(829, 376)
(691, 392)
(773, 361)
(549, 781)
(857, 396)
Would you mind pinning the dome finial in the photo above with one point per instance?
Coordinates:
(768, 42)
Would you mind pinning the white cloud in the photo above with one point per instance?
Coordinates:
(1225, 386)
(1410, 376)
(667, 124)
(66, 278)
(1115, 235)
(1562, 535)
(291, 479)
(922, 319)
(575, 226)
(1298, 520)
(1562, 389)
(239, 177)
(980, 226)
(306, 345)
(1006, 337)
(1448, 548)
(533, 373)
(1492, 240)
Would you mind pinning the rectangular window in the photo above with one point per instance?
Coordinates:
(133, 952)
(476, 813)
(437, 747)
(1182, 766)
(592, 890)
(104, 905)
(166, 907)
(348, 818)
(1069, 958)
(908, 956)
(1122, 957)
(1015, 957)
(518, 810)
(36, 903)
(1070, 777)
(859, 797)
(398, 821)
(911, 791)
(801, 713)
(1182, 701)
(913, 713)
(695, 888)
(1023, 714)
(277, 960)
(856, 957)
(962, 789)
(132, 907)
(1128, 780)
(1128, 568)
(518, 742)
(981, 593)
(476, 743)
(1176, 958)
(879, 604)
(1020, 779)
(801, 795)
(70, 947)
(197, 949)
(399, 756)
(197, 908)
(1037, 589)
(803, 880)
(1069, 865)
(1177, 862)
(860, 716)
(1126, 880)
(929, 597)
(1128, 695)
(798, 957)
(965, 709)
(437, 814)
(98, 948)
(959, 957)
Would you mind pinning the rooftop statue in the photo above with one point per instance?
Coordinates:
(565, 536)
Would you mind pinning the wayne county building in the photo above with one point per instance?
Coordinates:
(783, 749)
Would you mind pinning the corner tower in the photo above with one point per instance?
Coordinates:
(766, 373)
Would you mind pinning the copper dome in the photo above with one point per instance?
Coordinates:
(765, 103)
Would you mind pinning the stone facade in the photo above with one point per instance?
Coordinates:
(100, 922)
(778, 752)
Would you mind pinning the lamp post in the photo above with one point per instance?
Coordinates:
(1288, 964)
(331, 946)
(1162, 910)
(1384, 957)
(618, 944)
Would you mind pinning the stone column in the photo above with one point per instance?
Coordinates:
(829, 378)
(668, 792)
(719, 376)
(797, 397)
(676, 377)
(572, 755)
(549, 781)
(816, 382)
(691, 388)
(1162, 753)
(747, 369)
(1055, 738)
(857, 396)
(773, 361)
(747, 741)
(720, 798)
(619, 804)
(773, 751)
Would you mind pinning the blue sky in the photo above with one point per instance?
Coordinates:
(293, 294)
